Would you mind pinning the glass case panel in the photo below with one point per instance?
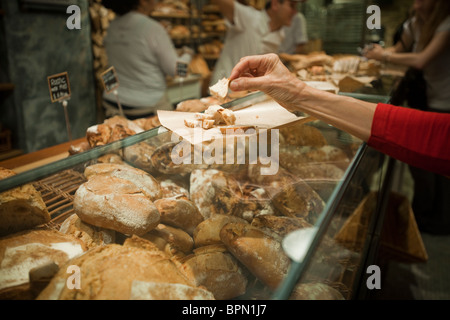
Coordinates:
(320, 176)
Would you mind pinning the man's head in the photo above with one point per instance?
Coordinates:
(281, 12)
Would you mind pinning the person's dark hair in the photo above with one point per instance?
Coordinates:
(121, 7)
(269, 3)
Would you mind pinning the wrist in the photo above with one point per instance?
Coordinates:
(386, 56)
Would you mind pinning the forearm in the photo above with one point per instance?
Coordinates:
(346, 113)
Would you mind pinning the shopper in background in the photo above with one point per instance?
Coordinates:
(142, 54)
(420, 138)
(295, 35)
(425, 46)
(251, 31)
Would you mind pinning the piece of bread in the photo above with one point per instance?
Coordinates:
(191, 105)
(172, 188)
(91, 236)
(262, 254)
(98, 135)
(220, 89)
(180, 213)
(104, 277)
(214, 268)
(315, 291)
(279, 224)
(115, 203)
(143, 180)
(208, 232)
(23, 251)
(204, 124)
(110, 158)
(228, 116)
(21, 208)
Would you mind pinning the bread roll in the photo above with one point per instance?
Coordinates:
(117, 204)
(139, 155)
(21, 252)
(104, 276)
(315, 291)
(172, 188)
(170, 240)
(208, 231)
(180, 213)
(91, 236)
(214, 268)
(191, 105)
(21, 208)
(258, 251)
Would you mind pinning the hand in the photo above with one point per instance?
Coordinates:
(375, 53)
(268, 74)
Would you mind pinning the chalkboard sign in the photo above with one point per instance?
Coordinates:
(182, 69)
(110, 81)
(59, 87)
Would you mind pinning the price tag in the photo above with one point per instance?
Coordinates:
(59, 87)
(182, 69)
(110, 81)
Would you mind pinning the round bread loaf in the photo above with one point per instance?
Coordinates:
(143, 180)
(104, 276)
(27, 250)
(139, 155)
(171, 188)
(21, 208)
(91, 236)
(262, 254)
(116, 204)
(172, 241)
(214, 268)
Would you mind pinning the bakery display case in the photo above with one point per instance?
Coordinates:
(215, 229)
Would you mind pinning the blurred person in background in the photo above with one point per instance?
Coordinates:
(251, 31)
(143, 55)
(424, 46)
(295, 35)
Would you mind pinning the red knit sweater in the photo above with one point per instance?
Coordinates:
(418, 138)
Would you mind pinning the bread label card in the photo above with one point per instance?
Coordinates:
(59, 87)
(182, 69)
(110, 80)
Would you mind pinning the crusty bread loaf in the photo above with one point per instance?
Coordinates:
(258, 251)
(315, 291)
(173, 188)
(104, 276)
(214, 192)
(214, 268)
(180, 213)
(21, 252)
(117, 204)
(139, 155)
(143, 180)
(279, 224)
(302, 135)
(21, 208)
(91, 236)
(110, 158)
(191, 105)
(208, 231)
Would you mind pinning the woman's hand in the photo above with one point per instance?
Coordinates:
(376, 52)
(268, 74)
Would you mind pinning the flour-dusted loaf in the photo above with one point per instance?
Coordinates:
(180, 213)
(139, 155)
(260, 252)
(173, 188)
(23, 251)
(115, 203)
(21, 208)
(214, 268)
(112, 272)
(143, 180)
(280, 225)
(315, 291)
(173, 241)
(91, 236)
(214, 192)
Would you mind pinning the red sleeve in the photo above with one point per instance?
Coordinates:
(418, 138)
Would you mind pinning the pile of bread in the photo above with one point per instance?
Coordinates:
(146, 228)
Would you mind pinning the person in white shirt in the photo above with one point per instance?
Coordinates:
(295, 36)
(142, 53)
(251, 31)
